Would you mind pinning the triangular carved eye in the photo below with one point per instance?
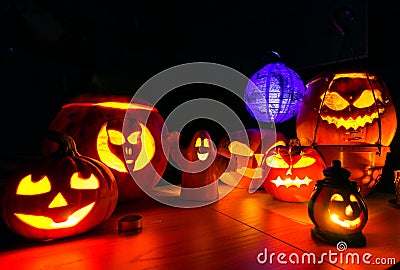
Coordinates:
(334, 101)
(304, 162)
(78, 182)
(116, 137)
(367, 99)
(276, 161)
(28, 187)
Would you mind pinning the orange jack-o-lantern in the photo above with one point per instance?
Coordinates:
(60, 195)
(346, 108)
(337, 209)
(125, 136)
(293, 172)
(246, 150)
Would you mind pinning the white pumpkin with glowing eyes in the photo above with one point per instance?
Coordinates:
(293, 172)
(349, 108)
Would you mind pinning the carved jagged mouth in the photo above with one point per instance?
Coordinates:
(42, 222)
(360, 121)
(297, 182)
(202, 156)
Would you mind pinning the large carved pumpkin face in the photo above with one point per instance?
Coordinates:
(246, 150)
(350, 106)
(125, 145)
(293, 172)
(60, 196)
(125, 136)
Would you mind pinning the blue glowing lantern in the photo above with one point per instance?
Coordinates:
(273, 94)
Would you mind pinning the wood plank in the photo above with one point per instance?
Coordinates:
(290, 223)
(172, 238)
(228, 234)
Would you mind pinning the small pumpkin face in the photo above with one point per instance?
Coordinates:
(337, 210)
(345, 211)
(293, 172)
(202, 147)
(246, 150)
(61, 195)
(349, 107)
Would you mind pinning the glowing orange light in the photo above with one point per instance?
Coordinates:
(42, 222)
(114, 105)
(291, 182)
(112, 161)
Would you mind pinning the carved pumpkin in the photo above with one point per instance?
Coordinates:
(293, 172)
(125, 136)
(246, 150)
(349, 116)
(337, 209)
(60, 195)
(204, 167)
(346, 108)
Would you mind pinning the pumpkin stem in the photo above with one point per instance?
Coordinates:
(66, 144)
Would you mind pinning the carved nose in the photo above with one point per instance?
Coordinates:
(58, 201)
(128, 150)
(289, 171)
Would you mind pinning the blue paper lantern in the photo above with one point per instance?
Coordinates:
(274, 93)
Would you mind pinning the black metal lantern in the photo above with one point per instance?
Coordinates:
(337, 208)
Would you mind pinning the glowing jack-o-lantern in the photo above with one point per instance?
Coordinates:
(293, 172)
(351, 117)
(246, 150)
(346, 108)
(125, 136)
(60, 195)
(337, 209)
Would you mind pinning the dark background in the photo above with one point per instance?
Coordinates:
(51, 51)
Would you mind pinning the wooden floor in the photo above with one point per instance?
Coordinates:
(228, 234)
